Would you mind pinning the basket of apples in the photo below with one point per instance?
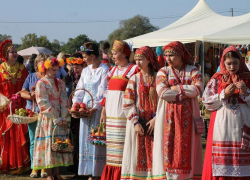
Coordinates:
(79, 110)
(98, 135)
(59, 145)
(22, 116)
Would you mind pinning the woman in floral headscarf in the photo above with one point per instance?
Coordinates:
(177, 152)
(140, 102)
(227, 94)
(13, 137)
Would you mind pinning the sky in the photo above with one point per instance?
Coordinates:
(95, 18)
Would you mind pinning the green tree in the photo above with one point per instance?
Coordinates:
(31, 39)
(132, 27)
(55, 46)
(4, 36)
(73, 45)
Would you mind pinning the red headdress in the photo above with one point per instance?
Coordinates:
(179, 49)
(4, 47)
(118, 46)
(150, 55)
(228, 78)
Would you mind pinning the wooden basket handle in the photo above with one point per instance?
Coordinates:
(73, 93)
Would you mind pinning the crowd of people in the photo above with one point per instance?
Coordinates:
(150, 109)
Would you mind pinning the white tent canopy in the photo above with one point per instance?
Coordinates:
(236, 35)
(34, 50)
(201, 23)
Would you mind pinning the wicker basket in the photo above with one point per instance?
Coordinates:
(22, 119)
(77, 114)
(60, 147)
(97, 140)
(4, 103)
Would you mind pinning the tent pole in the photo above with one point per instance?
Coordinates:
(203, 65)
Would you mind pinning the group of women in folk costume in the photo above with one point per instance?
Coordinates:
(169, 148)
(150, 114)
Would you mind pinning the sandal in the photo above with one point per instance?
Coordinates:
(44, 174)
(58, 177)
(33, 175)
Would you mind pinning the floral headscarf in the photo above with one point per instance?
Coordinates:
(178, 48)
(150, 55)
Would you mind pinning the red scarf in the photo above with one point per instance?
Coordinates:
(179, 49)
(226, 77)
(145, 143)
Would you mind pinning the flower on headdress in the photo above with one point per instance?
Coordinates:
(68, 61)
(40, 68)
(48, 64)
(61, 62)
(79, 61)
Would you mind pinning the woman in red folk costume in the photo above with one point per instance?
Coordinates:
(177, 152)
(13, 137)
(140, 102)
(227, 94)
(113, 111)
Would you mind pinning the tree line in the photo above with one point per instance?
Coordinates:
(129, 28)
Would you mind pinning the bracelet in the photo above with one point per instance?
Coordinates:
(136, 123)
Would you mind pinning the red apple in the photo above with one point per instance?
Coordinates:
(81, 110)
(74, 109)
(82, 105)
(76, 105)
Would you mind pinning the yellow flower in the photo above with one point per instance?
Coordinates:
(61, 62)
(48, 64)
(1, 70)
(40, 69)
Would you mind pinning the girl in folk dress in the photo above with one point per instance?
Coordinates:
(227, 94)
(92, 158)
(140, 102)
(13, 137)
(28, 93)
(113, 111)
(51, 98)
(177, 152)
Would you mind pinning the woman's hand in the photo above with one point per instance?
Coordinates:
(103, 115)
(151, 127)
(139, 129)
(175, 88)
(33, 95)
(242, 86)
(229, 90)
